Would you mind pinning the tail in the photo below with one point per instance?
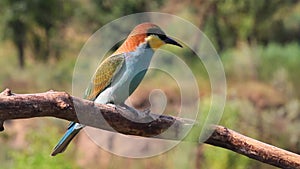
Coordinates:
(72, 131)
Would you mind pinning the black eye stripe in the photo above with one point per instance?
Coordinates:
(157, 32)
(161, 36)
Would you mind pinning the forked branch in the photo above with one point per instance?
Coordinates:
(117, 119)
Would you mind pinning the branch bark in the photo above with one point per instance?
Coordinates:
(117, 119)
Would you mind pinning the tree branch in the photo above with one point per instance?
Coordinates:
(114, 118)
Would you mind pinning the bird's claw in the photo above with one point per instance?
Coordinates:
(112, 105)
(130, 109)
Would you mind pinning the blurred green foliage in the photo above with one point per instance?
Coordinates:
(229, 22)
(282, 57)
(257, 41)
(108, 10)
(36, 154)
(34, 23)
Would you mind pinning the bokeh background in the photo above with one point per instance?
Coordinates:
(258, 43)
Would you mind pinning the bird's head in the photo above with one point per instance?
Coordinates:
(146, 33)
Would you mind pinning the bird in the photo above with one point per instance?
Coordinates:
(119, 75)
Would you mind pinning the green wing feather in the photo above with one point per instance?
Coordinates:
(104, 75)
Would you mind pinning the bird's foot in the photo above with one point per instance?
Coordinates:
(112, 105)
(131, 109)
(138, 116)
(147, 112)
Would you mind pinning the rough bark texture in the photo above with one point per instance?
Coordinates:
(229, 139)
(117, 119)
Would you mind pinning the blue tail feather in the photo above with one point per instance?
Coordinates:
(72, 131)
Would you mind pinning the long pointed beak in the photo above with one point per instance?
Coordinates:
(172, 42)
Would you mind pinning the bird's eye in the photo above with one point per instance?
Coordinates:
(162, 36)
(157, 32)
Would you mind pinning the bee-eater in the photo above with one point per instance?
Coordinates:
(119, 74)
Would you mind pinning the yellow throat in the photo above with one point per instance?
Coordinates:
(154, 41)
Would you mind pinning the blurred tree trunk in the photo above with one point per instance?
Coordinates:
(19, 29)
(200, 157)
(203, 10)
(47, 50)
(214, 9)
(20, 47)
